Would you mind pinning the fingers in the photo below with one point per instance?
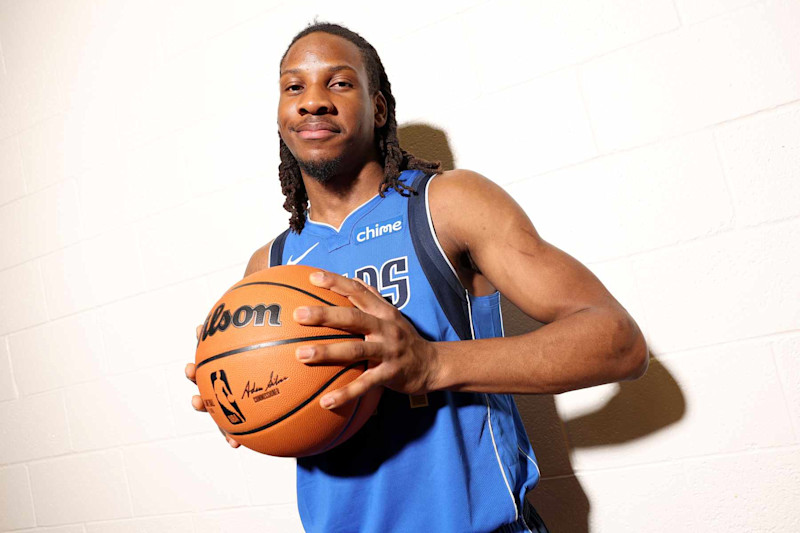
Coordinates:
(197, 404)
(351, 391)
(346, 318)
(228, 438)
(340, 352)
(198, 331)
(190, 371)
(362, 295)
(370, 288)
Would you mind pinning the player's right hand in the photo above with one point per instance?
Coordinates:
(197, 401)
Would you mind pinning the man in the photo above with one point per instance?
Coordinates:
(446, 450)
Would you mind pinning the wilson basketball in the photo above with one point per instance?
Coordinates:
(250, 380)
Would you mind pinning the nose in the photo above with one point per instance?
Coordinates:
(316, 101)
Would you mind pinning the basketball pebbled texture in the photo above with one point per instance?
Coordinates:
(250, 380)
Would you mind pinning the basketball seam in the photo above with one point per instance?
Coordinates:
(276, 343)
(335, 441)
(274, 284)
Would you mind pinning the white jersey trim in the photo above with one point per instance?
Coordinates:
(499, 462)
(532, 461)
(337, 230)
(502, 326)
(433, 231)
(269, 256)
(472, 332)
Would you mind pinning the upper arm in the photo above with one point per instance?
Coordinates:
(543, 281)
(259, 260)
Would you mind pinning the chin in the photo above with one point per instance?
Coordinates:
(323, 169)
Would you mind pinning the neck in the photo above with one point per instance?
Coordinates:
(332, 201)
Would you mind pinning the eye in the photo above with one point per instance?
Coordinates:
(341, 83)
(293, 88)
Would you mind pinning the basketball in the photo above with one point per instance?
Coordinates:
(250, 380)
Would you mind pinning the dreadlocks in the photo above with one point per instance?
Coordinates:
(395, 159)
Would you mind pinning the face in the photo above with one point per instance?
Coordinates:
(326, 113)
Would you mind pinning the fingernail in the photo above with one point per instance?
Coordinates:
(301, 313)
(319, 277)
(327, 402)
(305, 353)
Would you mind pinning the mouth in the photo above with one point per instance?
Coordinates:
(317, 129)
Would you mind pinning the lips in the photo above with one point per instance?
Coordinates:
(317, 129)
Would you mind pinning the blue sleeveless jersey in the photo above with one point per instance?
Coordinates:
(446, 461)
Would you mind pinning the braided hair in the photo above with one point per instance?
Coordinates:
(395, 159)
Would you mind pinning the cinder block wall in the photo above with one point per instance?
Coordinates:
(657, 142)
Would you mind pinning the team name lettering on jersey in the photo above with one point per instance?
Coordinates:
(379, 229)
(391, 280)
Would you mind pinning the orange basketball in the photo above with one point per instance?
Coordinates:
(250, 380)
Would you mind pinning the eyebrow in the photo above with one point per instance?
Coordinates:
(334, 68)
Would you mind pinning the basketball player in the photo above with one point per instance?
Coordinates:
(422, 254)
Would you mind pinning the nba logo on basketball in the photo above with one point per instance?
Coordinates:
(225, 398)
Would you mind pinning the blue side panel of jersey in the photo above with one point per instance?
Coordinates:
(513, 443)
(435, 467)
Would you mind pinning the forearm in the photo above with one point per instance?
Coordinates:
(587, 348)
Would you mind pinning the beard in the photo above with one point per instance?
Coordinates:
(322, 171)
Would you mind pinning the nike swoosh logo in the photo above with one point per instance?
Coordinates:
(295, 261)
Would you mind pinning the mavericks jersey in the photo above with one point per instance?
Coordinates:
(445, 461)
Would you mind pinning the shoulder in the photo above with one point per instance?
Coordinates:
(461, 189)
(259, 260)
(465, 204)
(458, 181)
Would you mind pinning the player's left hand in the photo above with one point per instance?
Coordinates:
(400, 358)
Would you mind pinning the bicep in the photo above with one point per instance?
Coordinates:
(543, 281)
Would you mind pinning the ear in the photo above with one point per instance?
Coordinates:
(381, 109)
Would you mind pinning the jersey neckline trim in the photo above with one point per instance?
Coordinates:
(346, 223)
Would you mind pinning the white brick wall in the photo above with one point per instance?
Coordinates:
(682, 197)
(657, 142)
(8, 387)
(23, 303)
(39, 223)
(80, 488)
(12, 184)
(33, 427)
(176, 523)
(760, 157)
(786, 350)
(57, 354)
(272, 519)
(174, 476)
(15, 493)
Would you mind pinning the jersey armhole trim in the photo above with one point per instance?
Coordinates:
(276, 249)
(433, 230)
(451, 295)
(456, 285)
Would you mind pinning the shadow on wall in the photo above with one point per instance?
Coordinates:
(426, 142)
(639, 408)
